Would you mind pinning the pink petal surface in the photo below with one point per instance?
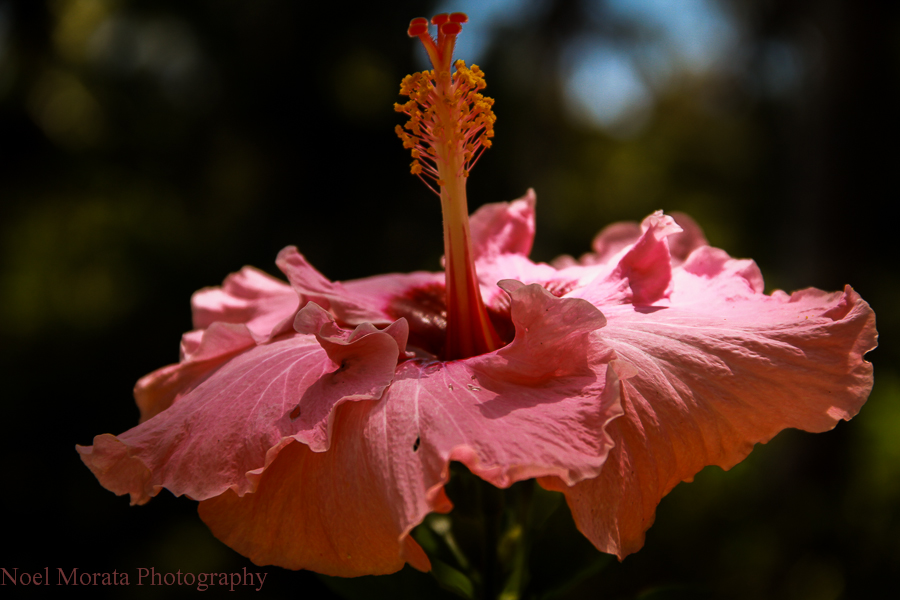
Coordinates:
(538, 407)
(710, 365)
(503, 228)
(611, 240)
(250, 308)
(222, 434)
(417, 297)
(722, 368)
(349, 306)
(502, 236)
(639, 274)
(202, 353)
(691, 237)
(310, 512)
(249, 297)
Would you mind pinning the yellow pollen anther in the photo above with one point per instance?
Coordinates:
(450, 121)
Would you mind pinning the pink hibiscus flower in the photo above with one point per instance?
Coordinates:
(315, 421)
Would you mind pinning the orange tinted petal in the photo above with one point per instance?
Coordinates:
(320, 511)
(705, 383)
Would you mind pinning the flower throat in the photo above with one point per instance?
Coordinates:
(450, 125)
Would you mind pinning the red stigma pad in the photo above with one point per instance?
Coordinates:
(417, 29)
(451, 28)
(440, 19)
(459, 18)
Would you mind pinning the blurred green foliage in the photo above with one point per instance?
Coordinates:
(147, 149)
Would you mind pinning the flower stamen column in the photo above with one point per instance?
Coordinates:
(449, 127)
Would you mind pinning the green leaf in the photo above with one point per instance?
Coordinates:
(452, 579)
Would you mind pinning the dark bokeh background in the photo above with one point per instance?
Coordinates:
(149, 148)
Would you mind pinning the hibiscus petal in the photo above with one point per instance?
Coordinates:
(202, 353)
(691, 237)
(617, 236)
(348, 306)
(502, 235)
(416, 296)
(226, 431)
(710, 275)
(611, 240)
(538, 407)
(327, 512)
(721, 369)
(641, 273)
(647, 265)
(250, 308)
(250, 297)
(503, 228)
